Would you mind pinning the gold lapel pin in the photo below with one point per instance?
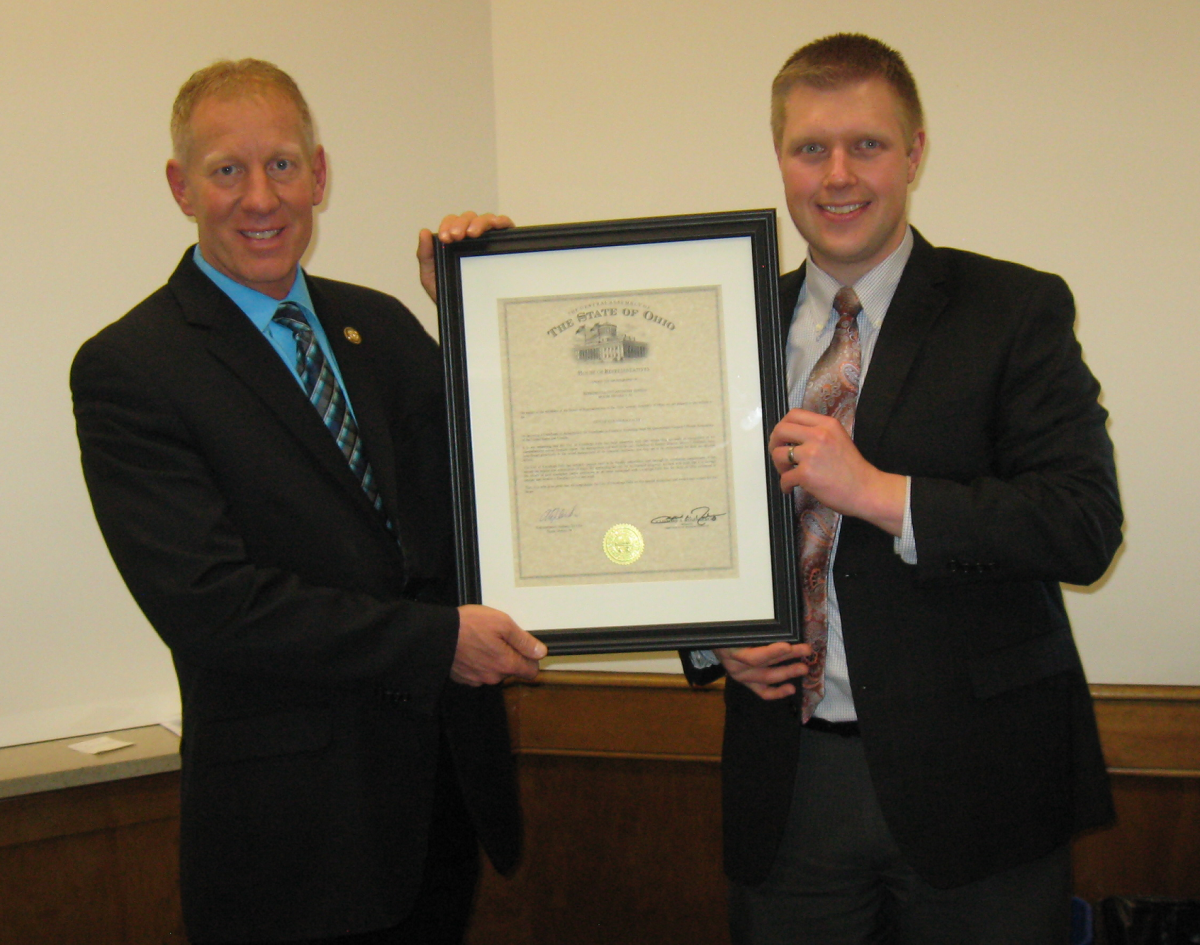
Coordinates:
(352, 335)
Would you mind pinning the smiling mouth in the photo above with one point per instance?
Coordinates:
(843, 209)
(261, 234)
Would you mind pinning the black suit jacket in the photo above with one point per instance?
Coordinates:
(312, 655)
(975, 715)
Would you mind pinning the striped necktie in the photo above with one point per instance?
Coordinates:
(326, 395)
(832, 390)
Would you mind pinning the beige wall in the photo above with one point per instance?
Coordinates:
(402, 96)
(1063, 135)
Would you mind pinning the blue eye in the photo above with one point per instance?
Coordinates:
(227, 170)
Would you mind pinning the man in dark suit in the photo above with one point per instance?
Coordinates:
(272, 481)
(914, 770)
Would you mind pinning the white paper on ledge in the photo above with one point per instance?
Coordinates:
(96, 746)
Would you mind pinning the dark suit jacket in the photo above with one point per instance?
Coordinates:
(975, 715)
(313, 657)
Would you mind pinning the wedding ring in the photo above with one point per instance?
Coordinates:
(791, 455)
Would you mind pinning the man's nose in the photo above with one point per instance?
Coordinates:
(839, 172)
(260, 195)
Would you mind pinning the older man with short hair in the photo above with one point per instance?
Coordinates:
(267, 459)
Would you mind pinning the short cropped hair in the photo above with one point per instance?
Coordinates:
(227, 78)
(839, 60)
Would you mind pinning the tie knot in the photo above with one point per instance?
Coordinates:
(291, 316)
(846, 303)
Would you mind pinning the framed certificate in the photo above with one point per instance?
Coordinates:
(611, 387)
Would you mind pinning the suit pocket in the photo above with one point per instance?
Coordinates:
(287, 732)
(1024, 663)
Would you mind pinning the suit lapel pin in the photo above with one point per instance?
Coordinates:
(352, 335)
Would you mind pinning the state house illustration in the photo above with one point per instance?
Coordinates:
(603, 343)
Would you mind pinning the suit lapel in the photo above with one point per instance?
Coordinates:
(789, 292)
(234, 341)
(918, 303)
(355, 362)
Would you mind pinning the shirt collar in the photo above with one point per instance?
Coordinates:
(874, 289)
(259, 308)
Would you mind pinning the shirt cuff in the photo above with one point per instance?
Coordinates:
(905, 544)
(703, 659)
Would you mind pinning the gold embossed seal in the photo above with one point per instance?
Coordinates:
(623, 544)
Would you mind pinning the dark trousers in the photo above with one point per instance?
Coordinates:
(839, 878)
(442, 909)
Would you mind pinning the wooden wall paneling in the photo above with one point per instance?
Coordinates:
(616, 850)
(146, 858)
(93, 865)
(1151, 737)
(617, 715)
(621, 789)
(621, 794)
(60, 890)
(588, 721)
(1154, 847)
(1150, 729)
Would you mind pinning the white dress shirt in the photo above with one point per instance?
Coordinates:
(811, 332)
(812, 329)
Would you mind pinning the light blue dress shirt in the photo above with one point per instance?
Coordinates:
(260, 309)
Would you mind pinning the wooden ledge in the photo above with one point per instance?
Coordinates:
(569, 677)
(50, 766)
(1113, 693)
(1145, 730)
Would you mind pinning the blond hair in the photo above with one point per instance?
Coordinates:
(839, 60)
(230, 79)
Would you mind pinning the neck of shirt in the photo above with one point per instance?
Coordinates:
(260, 309)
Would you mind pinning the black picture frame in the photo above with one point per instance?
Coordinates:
(760, 603)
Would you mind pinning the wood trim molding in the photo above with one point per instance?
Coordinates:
(74, 811)
(1145, 693)
(1150, 730)
(1146, 730)
(654, 715)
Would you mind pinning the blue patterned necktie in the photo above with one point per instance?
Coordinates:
(327, 397)
(832, 390)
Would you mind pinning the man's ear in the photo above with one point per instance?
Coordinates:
(320, 171)
(915, 153)
(177, 181)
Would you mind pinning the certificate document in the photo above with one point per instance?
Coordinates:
(619, 454)
(609, 386)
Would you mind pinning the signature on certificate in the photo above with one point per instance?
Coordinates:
(558, 514)
(697, 518)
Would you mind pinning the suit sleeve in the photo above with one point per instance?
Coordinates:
(169, 528)
(1044, 505)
